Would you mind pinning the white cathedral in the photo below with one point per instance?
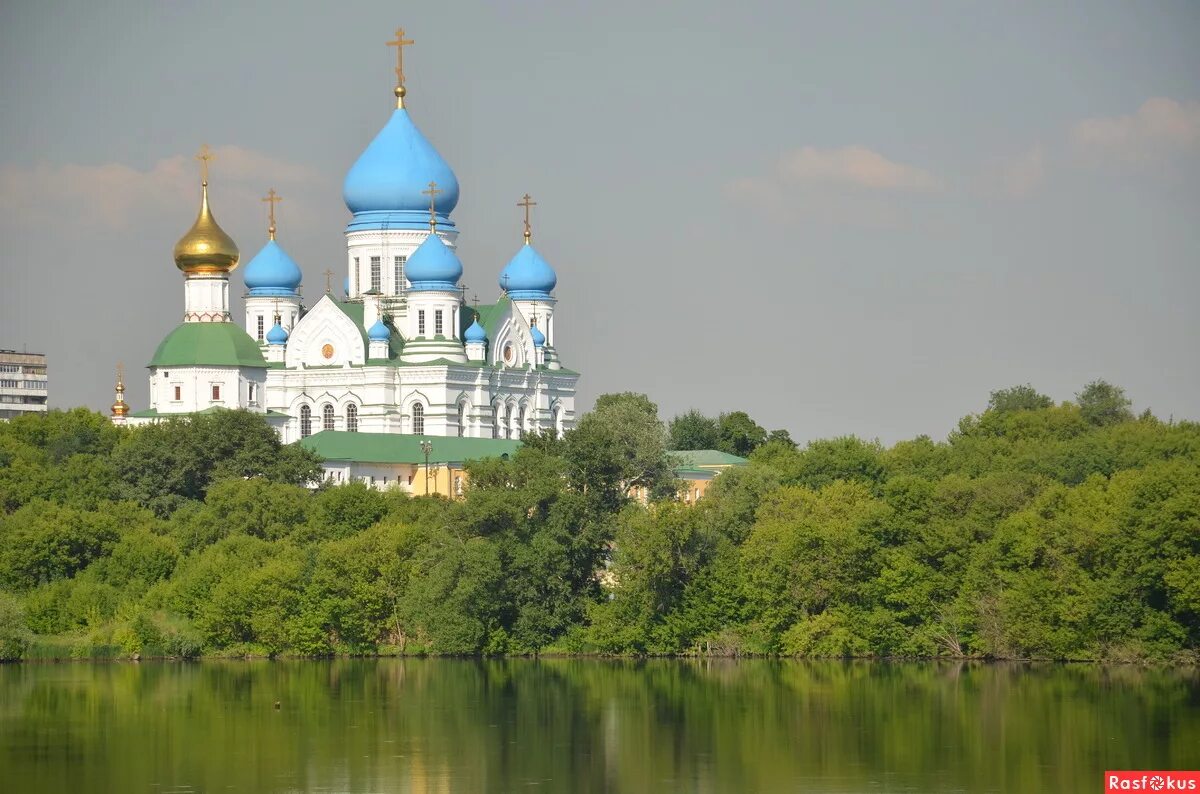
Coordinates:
(400, 351)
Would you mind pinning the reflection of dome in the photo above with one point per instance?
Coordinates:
(272, 272)
(395, 168)
(539, 338)
(528, 275)
(206, 248)
(475, 333)
(433, 266)
(277, 336)
(379, 332)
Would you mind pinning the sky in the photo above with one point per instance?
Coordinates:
(842, 218)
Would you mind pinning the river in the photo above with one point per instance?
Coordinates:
(581, 725)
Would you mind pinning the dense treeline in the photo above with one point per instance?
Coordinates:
(1066, 531)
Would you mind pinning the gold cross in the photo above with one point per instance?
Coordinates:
(400, 43)
(527, 202)
(204, 156)
(328, 280)
(432, 193)
(120, 376)
(272, 199)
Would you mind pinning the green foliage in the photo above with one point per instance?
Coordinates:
(1034, 530)
(693, 430)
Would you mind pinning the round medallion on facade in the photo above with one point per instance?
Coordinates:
(327, 351)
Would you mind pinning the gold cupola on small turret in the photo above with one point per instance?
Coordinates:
(206, 248)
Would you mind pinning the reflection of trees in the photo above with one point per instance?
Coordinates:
(586, 725)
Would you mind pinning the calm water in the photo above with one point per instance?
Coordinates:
(570, 725)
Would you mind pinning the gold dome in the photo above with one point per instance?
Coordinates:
(206, 248)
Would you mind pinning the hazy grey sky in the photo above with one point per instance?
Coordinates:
(841, 218)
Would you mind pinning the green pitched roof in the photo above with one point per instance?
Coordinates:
(208, 344)
(700, 458)
(490, 314)
(398, 448)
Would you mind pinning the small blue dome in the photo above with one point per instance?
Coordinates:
(379, 332)
(433, 266)
(527, 275)
(272, 272)
(277, 336)
(475, 332)
(539, 339)
(393, 170)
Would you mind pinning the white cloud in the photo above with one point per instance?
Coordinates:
(1161, 124)
(854, 166)
(116, 195)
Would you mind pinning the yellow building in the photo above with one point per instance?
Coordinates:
(418, 465)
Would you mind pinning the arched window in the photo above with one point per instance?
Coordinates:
(305, 421)
(418, 419)
(521, 428)
(508, 426)
(558, 421)
(327, 417)
(495, 421)
(462, 419)
(352, 417)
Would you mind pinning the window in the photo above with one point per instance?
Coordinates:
(496, 422)
(353, 276)
(437, 323)
(521, 424)
(260, 327)
(462, 419)
(375, 274)
(10, 384)
(327, 417)
(418, 419)
(400, 283)
(508, 426)
(458, 487)
(178, 393)
(352, 418)
(216, 391)
(250, 392)
(420, 322)
(305, 421)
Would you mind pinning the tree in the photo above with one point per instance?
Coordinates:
(1018, 398)
(693, 430)
(1104, 404)
(618, 446)
(739, 434)
(781, 436)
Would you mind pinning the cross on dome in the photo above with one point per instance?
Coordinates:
(400, 43)
(272, 199)
(432, 192)
(527, 202)
(204, 156)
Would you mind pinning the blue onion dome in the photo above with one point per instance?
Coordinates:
(379, 332)
(272, 272)
(528, 275)
(539, 339)
(433, 266)
(390, 175)
(475, 332)
(277, 336)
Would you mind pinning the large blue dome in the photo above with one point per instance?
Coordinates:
(528, 275)
(272, 272)
(433, 266)
(390, 175)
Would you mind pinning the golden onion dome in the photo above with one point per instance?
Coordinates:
(206, 248)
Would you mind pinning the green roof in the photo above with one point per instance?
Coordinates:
(701, 458)
(398, 448)
(490, 314)
(208, 344)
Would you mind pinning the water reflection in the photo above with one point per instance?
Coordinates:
(585, 725)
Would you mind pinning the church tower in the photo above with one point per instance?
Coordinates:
(528, 280)
(272, 284)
